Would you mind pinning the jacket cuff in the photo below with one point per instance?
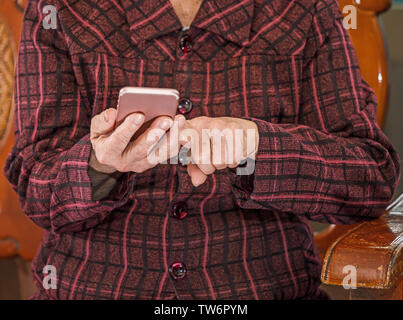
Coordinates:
(245, 185)
(73, 206)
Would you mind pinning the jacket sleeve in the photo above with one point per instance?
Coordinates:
(334, 165)
(48, 165)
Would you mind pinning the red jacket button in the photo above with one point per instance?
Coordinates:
(185, 106)
(177, 270)
(186, 44)
(180, 210)
(183, 156)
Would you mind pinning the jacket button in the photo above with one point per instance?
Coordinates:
(177, 270)
(183, 156)
(186, 43)
(180, 210)
(185, 106)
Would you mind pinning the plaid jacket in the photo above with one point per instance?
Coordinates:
(287, 65)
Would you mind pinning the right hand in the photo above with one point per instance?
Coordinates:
(113, 150)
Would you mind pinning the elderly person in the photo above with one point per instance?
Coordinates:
(118, 226)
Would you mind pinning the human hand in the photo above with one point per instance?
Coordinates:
(113, 149)
(218, 143)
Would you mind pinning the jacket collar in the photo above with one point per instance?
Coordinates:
(230, 19)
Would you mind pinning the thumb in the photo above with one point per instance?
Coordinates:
(197, 176)
(103, 123)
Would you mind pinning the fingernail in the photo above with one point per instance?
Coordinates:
(197, 182)
(106, 116)
(181, 122)
(138, 119)
(166, 124)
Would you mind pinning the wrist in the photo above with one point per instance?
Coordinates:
(96, 165)
(255, 128)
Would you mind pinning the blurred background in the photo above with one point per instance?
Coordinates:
(19, 238)
(392, 22)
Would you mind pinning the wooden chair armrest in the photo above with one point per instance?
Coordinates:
(377, 6)
(368, 41)
(374, 248)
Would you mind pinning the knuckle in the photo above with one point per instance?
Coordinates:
(94, 123)
(204, 118)
(122, 167)
(199, 121)
(219, 122)
(218, 162)
(117, 140)
(140, 150)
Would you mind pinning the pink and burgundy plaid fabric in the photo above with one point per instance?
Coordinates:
(287, 65)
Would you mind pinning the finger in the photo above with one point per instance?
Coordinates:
(173, 145)
(118, 141)
(202, 156)
(192, 127)
(168, 147)
(144, 145)
(219, 152)
(198, 131)
(233, 165)
(196, 175)
(231, 153)
(103, 123)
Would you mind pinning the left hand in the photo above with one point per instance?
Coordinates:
(221, 142)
